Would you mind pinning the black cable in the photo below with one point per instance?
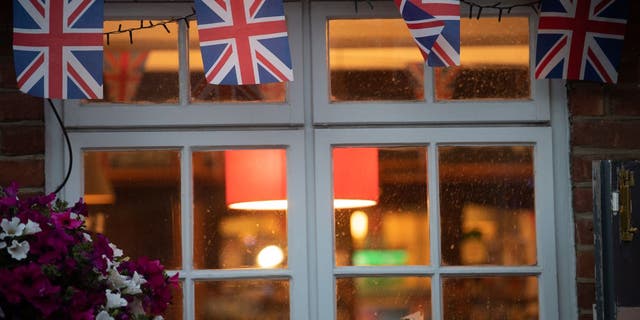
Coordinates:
(66, 137)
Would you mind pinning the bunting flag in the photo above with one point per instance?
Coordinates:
(580, 39)
(57, 48)
(243, 41)
(435, 27)
(123, 72)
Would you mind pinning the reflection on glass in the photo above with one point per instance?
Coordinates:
(373, 59)
(490, 298)
(487, 205)
(242, 299)
(202, 91)
(494, 58)
(395, 231)
(175, 309)
(239, 238)
(145, 71)
(368, 298)
(133, 198)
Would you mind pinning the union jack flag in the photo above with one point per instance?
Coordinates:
(57, 46)
(123, 72)
(243, 41)
(435, 26)
(580, 39)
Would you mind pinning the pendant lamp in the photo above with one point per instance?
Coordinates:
(257, 179)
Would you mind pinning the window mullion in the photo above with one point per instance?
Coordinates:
(183, 70)
(188, 306)
(434, 227)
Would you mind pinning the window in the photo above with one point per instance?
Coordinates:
(370, 187)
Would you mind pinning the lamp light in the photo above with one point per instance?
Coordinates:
(257, 179)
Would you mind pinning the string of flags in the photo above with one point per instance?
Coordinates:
(58, 44)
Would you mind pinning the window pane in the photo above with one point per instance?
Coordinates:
(249, 236)
(242, 299)
(494, 58)
(134, 199)
(202, 91)
(145, 71)
(374, 59)
(392, 228)
(174, 311)
(368, 298)
(487, 205)
(490, 298)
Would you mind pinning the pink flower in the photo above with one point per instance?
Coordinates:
(64, 220)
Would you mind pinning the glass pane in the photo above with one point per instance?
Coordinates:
(175, 309)
(369, 298)
(494, 58)
(239, 203)
(145, 71)
(490, 298)
(374, 59)
(134, 199)
(202, 91)
(388, 225)
(487, 205)
(242, 299)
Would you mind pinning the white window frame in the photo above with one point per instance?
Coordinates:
(186, 113)
(187, 142)
(108, 127)
(545, 269)
(535, 109)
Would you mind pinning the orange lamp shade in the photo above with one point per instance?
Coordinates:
(257, 179)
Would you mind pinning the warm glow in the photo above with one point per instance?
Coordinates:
(359, 225)
(270, 256)
(260, 205)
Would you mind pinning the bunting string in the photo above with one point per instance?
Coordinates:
(149, 24)
(501, 7)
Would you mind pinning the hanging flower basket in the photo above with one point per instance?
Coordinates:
(51, 267)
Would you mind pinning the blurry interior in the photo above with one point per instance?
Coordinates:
(486, 215)
(376, 59)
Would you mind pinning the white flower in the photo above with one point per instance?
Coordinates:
(103, 315)
(158, 318)
(11, 228)
(116, 251)
(87, 236)
(115, 280)
(31, 227)
(18, 250)
(114, 300)
(2, 246)
(133, 285)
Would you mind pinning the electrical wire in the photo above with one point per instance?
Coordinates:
(66, 137)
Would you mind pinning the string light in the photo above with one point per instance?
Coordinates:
(149, 25)
(534, 4)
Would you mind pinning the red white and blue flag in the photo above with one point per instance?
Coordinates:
(244, 41)
(435, 27)
(57, 48)
(580, 39)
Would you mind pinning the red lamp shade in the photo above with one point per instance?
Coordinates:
(257, 179)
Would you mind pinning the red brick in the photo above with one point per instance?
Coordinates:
(585, 264)
(584, 232)
(27, 173)
(15, 106)
(624, 100)
(586, 99)
(606, 134)
(586, 295)
(586, 316)
(22, 140)
(581, 168)
(7, 73)
(582, 199)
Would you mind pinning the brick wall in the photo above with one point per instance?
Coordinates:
(605, 124)
(21, 120)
